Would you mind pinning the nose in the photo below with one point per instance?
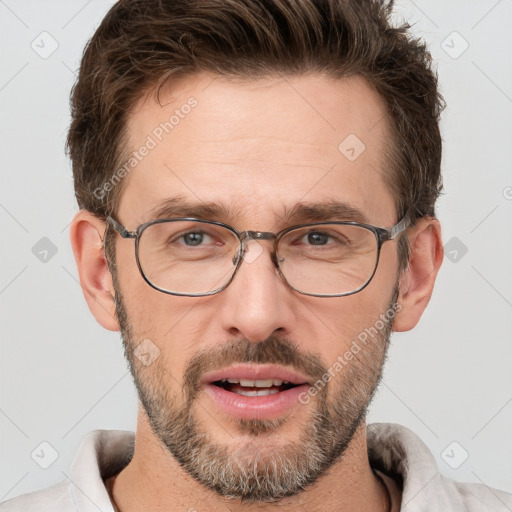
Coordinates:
(258, 302)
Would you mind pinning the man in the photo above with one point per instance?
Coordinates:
(257, 184)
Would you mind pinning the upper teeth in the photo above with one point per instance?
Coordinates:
(256, 383)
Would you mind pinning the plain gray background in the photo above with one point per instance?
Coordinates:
(62, 375)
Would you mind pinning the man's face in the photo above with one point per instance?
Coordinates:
(257, 148)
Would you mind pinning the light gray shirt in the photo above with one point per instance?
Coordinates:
(393, 450)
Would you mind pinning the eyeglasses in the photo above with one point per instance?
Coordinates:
(195, 257)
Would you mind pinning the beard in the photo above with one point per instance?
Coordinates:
(260, 468)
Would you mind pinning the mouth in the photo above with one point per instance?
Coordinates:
(258, 387)
(255, 391)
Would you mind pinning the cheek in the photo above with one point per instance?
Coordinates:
(143, 303)
(385, 279)
(344, 319)
(156, 320)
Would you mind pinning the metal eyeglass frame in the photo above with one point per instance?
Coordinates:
(381, 234)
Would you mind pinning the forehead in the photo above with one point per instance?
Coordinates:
(257, 148)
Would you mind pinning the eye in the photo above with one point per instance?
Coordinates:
(194, 238)
(317, 238)
(323, 238)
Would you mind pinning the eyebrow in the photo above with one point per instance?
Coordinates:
(178, 206)
(328, 210)
(302, 212)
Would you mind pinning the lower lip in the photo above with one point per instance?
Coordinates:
(255, 407)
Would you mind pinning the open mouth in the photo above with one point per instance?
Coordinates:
(254, 387)
(255, 391)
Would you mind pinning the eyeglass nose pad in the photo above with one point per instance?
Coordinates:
(243, 249)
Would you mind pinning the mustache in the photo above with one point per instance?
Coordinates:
(273, 350)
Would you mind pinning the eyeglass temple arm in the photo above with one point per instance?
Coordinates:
(400, 226)
(121, 229)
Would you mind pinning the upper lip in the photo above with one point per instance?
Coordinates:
(255, 372)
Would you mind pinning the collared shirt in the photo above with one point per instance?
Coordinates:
(409, 469)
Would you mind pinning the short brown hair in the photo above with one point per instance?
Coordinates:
(144, 43)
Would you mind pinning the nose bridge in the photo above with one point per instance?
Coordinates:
(256, 302)
(257, 235)
(246, 236)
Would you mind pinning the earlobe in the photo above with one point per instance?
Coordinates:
(86, 233)
(418, 279)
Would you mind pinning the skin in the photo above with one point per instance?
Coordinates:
(258, 146)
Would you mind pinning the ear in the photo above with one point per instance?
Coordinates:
(417, 280)
(86, 235)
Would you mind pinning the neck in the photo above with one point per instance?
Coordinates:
(154, 481)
